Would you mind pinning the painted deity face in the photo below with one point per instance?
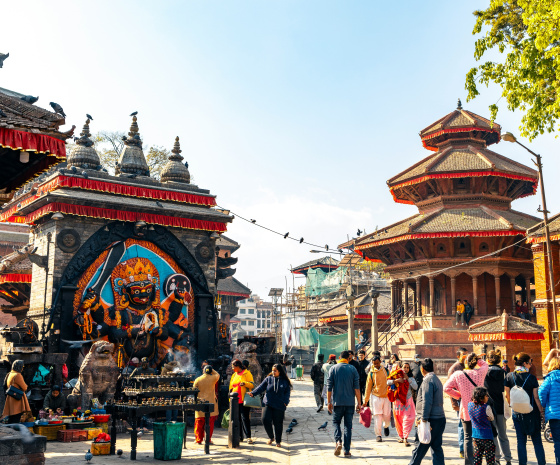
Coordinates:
(140, 293)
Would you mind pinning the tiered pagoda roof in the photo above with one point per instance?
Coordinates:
(325, 263)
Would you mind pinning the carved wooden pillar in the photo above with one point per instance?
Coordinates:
(432, 299)
(453, 295)
(497, 285)
(514, 309)
(406, 297)
(528, 293)
(418, 298)
(475, 294)
(393, 295)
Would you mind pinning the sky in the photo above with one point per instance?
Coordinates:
(294, 113)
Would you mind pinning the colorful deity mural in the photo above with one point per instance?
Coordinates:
(136, 296)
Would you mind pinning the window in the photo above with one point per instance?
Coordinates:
(258, 324)
(243, 323)
(242, 311)
(251, 333)
(268, 324)
(441, 248)
(483, 247)
(251, 311)
(258, 313)
(251, 323)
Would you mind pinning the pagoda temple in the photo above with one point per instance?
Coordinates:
(465, 242)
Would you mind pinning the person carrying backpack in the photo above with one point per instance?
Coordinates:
(521, 389)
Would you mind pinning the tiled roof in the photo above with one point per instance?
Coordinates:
(25, 116)
(324, 261)
(232, 285)
(506, 323)
(225, 242)
(362, 305)
(553, 226)
(455, 220)
(465, 158)
(457, 119)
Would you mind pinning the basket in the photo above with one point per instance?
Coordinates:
(79, 425)
(92, 433)
(100, 448)
(101, 418)
(49, 431)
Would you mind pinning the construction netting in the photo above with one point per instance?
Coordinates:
(318, 282)
(326, 344)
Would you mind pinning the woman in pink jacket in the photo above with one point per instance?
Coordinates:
(461, 385)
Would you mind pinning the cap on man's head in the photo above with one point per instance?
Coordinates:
(332, 357)
(135, 360)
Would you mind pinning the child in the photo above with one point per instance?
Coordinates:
(481, 416)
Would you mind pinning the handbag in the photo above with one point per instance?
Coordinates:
(365, 416)
(14, 392)
(225, 419)
(252, 402)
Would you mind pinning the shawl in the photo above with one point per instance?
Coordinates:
(398, 390)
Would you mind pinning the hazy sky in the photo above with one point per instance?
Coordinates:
(295, 113)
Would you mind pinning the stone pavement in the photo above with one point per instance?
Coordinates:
(305, 445)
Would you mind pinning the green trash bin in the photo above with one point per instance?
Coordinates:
(168, 440)
(299, 372)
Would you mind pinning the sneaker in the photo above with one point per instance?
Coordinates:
(319, 409)
(379, 439)
(386, 431)
(462, 455)
(338, 448)
(347, 454)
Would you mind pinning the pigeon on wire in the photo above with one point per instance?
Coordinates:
(29, 99)
(323, 426)
(89, 456)
(301, 240)
(253, 221)
(57, 109)
(286, 235)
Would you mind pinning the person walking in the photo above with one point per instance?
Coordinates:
(461, 385)
(456, 403)
(403, 405)
(429, 408)
(276, 387)
(14, 408)
(417, 373)
(363, 362)
(206, 384)
(318, 378)
(481, 415)
(241, 381)
(526, 424)
(494, 383)
(549, 395)
(469, 311)
(326, 368)
(376, 395)
(343, 385)
(460, 313)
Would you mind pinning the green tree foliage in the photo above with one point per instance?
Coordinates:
(527, 34)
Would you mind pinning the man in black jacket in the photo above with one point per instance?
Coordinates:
(363, 362)
(318, 378)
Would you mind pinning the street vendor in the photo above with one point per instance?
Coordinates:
(55, 401)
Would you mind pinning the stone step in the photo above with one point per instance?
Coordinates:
(433, 351)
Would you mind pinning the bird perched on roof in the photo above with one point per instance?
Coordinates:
(134, 113)
(359, 232)
(89, 117)
(159, 204)
(89, 456)
(186, 164)
(29, 99)
(84, 174)
(74, 169)
(132, 176)
(323, 426)
(3, 56)
(286, 235)
(3, 115)
(57, 109)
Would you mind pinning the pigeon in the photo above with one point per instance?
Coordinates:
(186, 164)
(301, 240)
(134, 113)
(84, 174)
(286, 235)
(253, 221)
(289, 430)
(119, 453)
(57, 109)
(89, 456)
(359, 232)
(74, 169)
(3, 56)
(159, 204)
(89, 117)
(294, 421)
(323, 426)
(29, 99)
(132, 176)
(292, 424)
(139, 434)
(327, 247)
(3, 115)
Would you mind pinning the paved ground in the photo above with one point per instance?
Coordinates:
(304, 446)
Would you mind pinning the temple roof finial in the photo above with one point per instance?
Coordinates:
(132, 159)
(174, 170)
(83, 155)
(459, 106)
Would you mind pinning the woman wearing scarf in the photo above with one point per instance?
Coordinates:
(401, 384)
(241, 380)
(14, 408)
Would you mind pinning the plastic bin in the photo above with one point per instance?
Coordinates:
(100, 448)
(92, 433)
(299, 372)
(168, 440)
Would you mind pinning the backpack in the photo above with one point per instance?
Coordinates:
(519, 399)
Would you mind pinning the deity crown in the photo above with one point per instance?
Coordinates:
(140, 272)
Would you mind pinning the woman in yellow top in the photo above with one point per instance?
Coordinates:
(241, 382)
(460, 315)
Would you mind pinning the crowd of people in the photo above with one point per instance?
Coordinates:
(483, 391)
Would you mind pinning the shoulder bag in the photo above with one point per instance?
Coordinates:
(253, 402)
(14, 392)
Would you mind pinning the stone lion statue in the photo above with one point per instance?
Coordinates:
(97, 378)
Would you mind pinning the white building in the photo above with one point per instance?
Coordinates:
(254, 315)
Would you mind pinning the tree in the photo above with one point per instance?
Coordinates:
(528, 33)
